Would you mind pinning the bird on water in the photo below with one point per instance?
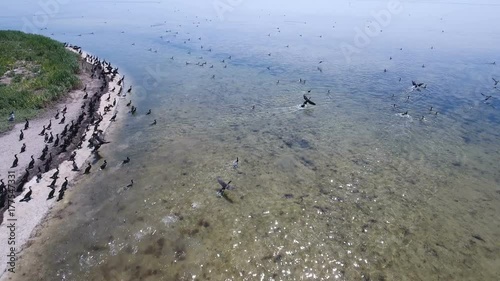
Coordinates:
(103, 166)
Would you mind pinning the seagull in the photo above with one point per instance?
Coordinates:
(307, 101)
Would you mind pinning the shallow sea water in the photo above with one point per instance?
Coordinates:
(349, 189)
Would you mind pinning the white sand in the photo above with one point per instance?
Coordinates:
(29, 214)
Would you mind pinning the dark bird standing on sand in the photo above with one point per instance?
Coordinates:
(87, 170)
(14, 164)
(53, 183)
(64, 186)
(75, 167)
(149, 112)
(23, 148)
(27, 196)
(50, 125)
(42, 133)
(154, 123)
(32, 163)
(39, 175)
(51, 194)
(61, 195)
(307, 101)
(56, 173)
(27, 124)
(103, 166)
(72, 156)
(21, 135)
(224, 186)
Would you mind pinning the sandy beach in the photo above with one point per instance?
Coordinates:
(22, 218)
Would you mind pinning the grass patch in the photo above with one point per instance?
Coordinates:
(35, 71)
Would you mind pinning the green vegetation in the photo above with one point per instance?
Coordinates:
(35, 71)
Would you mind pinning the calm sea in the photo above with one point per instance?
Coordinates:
(377, 181)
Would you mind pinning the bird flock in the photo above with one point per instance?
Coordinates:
(71, 136)
(64, 145)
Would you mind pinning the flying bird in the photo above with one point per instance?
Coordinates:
(224, 186)
(307, 101)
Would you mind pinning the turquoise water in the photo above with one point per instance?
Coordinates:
(376, 195)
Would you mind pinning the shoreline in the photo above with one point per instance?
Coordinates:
(26, 216)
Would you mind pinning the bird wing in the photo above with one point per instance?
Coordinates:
(221, 182)
(414, 83)
(420, 84)
(309, 101)
(230, 187)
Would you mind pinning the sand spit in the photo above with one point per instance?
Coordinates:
(21, 218)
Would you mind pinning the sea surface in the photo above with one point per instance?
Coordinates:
(380, 180)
